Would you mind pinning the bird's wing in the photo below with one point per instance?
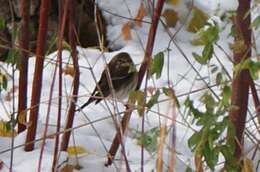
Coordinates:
(102, 85)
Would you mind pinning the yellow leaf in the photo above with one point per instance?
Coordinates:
(171, 17)
(173, 2)
(68, 70)
(76, 150)
(247, 165)
(5, 129)
(137, 97)
(140, 15)
(197, 21)
(70, 168)
(67, 168)
(125, 31)
(21, 118)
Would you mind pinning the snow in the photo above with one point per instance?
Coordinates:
(97, 141)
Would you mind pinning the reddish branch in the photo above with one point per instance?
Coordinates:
(118, 137)
(72, 42)
(241, 81)
(144, 67)
(23, 62)
(62, 22)
(37, 79)
(58, 63)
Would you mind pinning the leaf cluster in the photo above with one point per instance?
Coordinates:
(206, 37)
(149, 139)
(208, 142)
(252, 66)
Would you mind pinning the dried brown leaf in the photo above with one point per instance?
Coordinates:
(68, 70)
(125, 31)
(140, 15)
(67, 168)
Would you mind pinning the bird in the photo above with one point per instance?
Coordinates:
(124, 78)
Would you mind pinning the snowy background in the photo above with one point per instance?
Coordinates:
(98, 141)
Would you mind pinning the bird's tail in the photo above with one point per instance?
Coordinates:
(90, 100)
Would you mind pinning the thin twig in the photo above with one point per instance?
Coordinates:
(62, 22)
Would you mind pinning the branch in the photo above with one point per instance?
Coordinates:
(23, 63)
(72, 42)
(241, 81)
(144, 67)
(37, 78)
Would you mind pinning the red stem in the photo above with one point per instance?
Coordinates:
(62, 22)
(144, 67)
(37, 79)
(72, 42)
(23, 63)
(241, 81)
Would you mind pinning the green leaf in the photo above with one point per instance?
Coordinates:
(194, 140)
(256, 23)
(207, 52)
(226, 152)
(211, 156)
(199, 58)
(153, 100)
(157, 65)
(2, 23)
(244, 64)
(188, 169)
(131, 97)
(12, 56)
(212, 34)
(3, 82)
(226, 94)
(149, 139)
(209, 102)
(137, 97)
(254, 68)
(196, 113)
(206, 35)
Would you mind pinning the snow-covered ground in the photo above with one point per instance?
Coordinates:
(97, 141)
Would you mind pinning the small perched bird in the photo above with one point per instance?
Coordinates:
(124, 78)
